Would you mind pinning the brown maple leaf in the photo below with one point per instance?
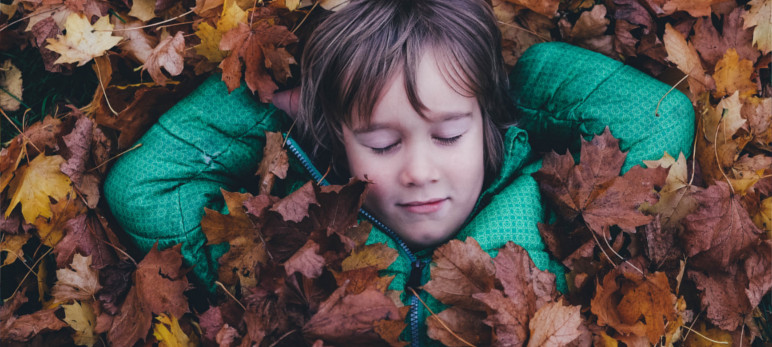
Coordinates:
(720, 231)
(242, 233)
(249, 46)
(759, 272)
(634, 304)
(85, 235)
(160, 281)
(167, 54)
(306, 261)
(712, 46)
(350, 319)
(594, 190)
(275, 163)
(132, 323)
(556, 325)
(723, 295)
(25, 327)
(462, 269)
(79, 145)
(525, 290)
(466, 324)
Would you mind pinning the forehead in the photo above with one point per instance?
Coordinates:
(438, 95)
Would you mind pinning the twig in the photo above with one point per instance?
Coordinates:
(601, 248)
(229, 294)
(440, 320)
(282, 337)
(28, 272)
(149, 25)
(118, 155)
(705, 337)
(526, 30)
(656, 111)
(173, 24)
(20, 132)
(306, 16)
(99, 77)
(32, 15)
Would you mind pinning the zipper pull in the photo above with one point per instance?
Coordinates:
(414, 280)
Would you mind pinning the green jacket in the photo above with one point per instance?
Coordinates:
(213, 139)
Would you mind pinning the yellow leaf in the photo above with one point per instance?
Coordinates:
(732, 74)
(9, 9)
(83, 42)
(35, 183)
(763, 219)
(760, 16)
(10, 81)
(168, 332)
(685, 56)
(83, 320)
(675, 200)
(13, 244)
(292, 4)
(378, 255)
(210, 41)
(723, 121)
(707, 336)
(231, 16)
(210, 36)
(51, 230)
(143, 10)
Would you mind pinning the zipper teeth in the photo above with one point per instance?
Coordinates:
(414, 322)
(318, 177)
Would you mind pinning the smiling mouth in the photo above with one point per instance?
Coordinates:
(424, 207)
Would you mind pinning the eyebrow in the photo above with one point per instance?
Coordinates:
(444, 117)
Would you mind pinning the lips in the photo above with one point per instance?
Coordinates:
(424, 207)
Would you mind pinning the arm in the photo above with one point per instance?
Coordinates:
(563, 91)
(210, 139)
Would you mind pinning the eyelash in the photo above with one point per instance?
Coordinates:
(441, 140)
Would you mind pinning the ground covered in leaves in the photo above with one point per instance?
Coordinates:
(678, 253)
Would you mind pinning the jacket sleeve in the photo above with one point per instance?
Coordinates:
(212, 139)
(562, 91)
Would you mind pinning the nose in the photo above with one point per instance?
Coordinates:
(420, 167)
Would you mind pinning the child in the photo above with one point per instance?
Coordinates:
(411, 95)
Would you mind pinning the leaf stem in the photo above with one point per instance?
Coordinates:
(440, 320)
(705, 337)
(656, 110)
(230, 295)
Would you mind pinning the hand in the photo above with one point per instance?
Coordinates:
(288, 101)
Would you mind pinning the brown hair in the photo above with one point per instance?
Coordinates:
(352, 55)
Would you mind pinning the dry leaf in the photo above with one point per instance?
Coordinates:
(34, 184)
(81, 318)
(80, 283)
(10, 82)
(759, 16)
(555, 325)
(168, 54)
(83, 42)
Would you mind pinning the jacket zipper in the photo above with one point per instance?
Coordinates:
(416, 265)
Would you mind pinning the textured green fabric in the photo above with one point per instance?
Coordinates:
(212, 140)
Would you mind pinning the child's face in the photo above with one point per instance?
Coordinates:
(426, 172)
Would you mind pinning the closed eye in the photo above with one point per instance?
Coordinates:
(447, 140)
(384, 150)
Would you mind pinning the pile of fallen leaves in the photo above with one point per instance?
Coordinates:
(676, 253)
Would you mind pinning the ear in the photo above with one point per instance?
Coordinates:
(287, 101)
